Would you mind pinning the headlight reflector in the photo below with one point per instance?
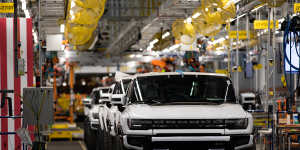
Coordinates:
(236, 123)
(139, 124)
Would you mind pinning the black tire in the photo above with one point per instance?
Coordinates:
(91, 139)
(85, 132)
(100, 140)
(107, 141)
(104, 141)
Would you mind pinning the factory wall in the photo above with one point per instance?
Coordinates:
(9, 81)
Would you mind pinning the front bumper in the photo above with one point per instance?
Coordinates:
(164, 142)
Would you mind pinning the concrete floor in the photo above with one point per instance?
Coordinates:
(66, 145)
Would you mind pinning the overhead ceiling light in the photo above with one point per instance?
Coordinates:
(83, 83)
(24, 6)
(206, 9)
(71, 12)
(62, 28)
(27, 15)
(196, 15)
(174, 47)
(131, 64)
(154, 41)
(67, 54)
(166, 35)
(189, 20)
(73, 4)
(138, 56)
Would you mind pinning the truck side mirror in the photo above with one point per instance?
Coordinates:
(118, 99)
(87, 102)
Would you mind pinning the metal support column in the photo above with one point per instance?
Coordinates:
(274, 77)
(266, 59)
(40, 44)
(16, 37)
(237, 55)
(247, 42)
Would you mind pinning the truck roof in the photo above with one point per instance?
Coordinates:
(179, 73)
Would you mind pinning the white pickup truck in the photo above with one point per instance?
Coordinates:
(98, 97)
(108, 114)
(181, 111)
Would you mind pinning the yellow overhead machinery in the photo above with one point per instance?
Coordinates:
(81, 22)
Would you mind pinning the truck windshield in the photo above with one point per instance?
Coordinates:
(186, 89)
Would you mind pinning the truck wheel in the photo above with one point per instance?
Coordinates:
(107, 141)
(91, 139)
(117, 143)
(85, 131)
(100, 140)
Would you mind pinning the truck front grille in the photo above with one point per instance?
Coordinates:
(189, 124)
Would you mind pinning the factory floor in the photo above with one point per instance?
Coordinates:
(66, 145)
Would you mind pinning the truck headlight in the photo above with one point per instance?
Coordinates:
(236, 123)
(139, 124)
(95, 115)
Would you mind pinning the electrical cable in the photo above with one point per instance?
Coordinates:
(291, 35)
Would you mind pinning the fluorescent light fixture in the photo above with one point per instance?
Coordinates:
(67, 54)
(174, 47)
(24, 6)
(214, 4)
(73, 4)
(189, 20)
(131, 56)
(154, 42)
(218, 52)
(196, 15)
(165, 35)
(71, 12)
(27, 15)
(138, 56)
(62, 28)
(257, 8)
(131, 64)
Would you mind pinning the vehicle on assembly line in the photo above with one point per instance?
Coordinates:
(99, 96)
(248, 100)
(109, 114)
(181, 111)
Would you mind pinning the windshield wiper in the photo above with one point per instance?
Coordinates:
(148, 101)
(152, 100)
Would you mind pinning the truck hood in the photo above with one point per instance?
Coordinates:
(223, 111)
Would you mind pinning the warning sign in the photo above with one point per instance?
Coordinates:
(263, 24)
(296, 7)
(242, 34)
(6, 7)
